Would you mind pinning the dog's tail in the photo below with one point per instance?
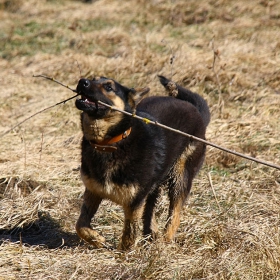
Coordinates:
(185, 94)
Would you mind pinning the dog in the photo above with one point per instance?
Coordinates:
(126, 160)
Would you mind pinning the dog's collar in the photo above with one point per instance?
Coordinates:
(105, 145)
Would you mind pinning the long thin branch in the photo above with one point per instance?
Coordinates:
(147, 121)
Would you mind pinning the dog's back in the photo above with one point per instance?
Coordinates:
(176, 114)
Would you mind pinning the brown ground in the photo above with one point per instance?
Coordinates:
(230, 228)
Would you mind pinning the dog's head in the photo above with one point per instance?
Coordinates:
(98, 121)
(109, 92)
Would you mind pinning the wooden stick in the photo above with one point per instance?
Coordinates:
(147, 121)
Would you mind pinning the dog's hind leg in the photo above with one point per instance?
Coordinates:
(179, 186)
(177, 201)
(83, 228)
(149, 221)
(132, 216)
(176, 205)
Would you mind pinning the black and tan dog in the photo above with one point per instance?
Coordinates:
(126, 160)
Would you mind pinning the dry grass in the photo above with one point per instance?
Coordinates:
(230, 227)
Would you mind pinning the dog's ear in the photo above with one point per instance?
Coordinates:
(136, 95)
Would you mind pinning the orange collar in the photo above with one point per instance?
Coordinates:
(104, 146)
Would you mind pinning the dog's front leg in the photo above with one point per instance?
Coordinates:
(131, 226)
(83, 228)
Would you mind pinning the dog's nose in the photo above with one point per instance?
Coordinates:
(84, 83)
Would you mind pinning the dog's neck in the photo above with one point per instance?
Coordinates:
(96, 132)
(105, 145)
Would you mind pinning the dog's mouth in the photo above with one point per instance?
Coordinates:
(88, 104)
(91, 93)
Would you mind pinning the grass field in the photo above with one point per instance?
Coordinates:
(228, 51)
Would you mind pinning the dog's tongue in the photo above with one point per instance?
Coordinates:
(87, 100)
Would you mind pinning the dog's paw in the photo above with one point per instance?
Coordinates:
(126, 244)
(92, 237)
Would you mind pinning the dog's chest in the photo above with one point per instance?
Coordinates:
(119, 193)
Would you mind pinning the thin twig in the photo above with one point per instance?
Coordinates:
(216, 54)
(56, 81)
(172, 58)
(41, 111)
(213, 190)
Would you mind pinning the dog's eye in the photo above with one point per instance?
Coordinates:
(107, 87)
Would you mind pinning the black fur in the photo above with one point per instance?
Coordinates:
(149, 157)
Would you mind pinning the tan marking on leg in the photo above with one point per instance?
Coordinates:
(178, 193)
(174, 221)
(83, 228)
(131, 227)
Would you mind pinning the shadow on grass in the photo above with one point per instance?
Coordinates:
(45, 231)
